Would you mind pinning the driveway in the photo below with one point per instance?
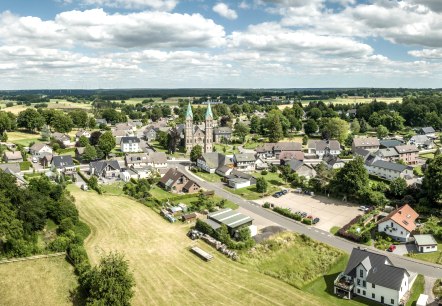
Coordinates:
(403, 249)
(330, 212)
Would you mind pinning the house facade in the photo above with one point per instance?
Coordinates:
(12, 157)
(374, 277)
(399, 223)
(408, 153)
(245, 161)
(130, 144)
(323, 148)
(367, 143)
(222, 134)
(63, 164)
(39, 149)
(389, 170)
(176, 182)
(105, 168)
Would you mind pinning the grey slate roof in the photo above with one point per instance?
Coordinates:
(389, 166)
(222, 131)
(245, 157)
(280, 146)
(99, 166)
(320, 145)
(388, 152)
(12, 167)
(425, 239)
(158, 157)
(390, 143)
(428, 130)
(214, 160)
(406, 149)
(62, 161)
(130, 140)
(366, 142)
(379, 272)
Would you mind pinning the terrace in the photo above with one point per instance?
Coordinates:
(343, 285)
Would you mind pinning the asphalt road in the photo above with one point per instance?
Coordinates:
(413, 265)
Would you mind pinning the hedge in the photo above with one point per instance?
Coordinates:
(26, 165)
(343, 231)
(287, 213)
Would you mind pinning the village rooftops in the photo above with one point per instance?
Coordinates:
(406, 149)
(130, 140)
(404, 216)
(423, 240)
(389, 165)
(366, 142)
(321, 145)
(245, 157)
(63, 161)
(390, 143)
(280, 146)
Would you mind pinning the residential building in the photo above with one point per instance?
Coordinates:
(422, 141)
(388, 170)
(425, 243)
(322, 148)
(333, 162)
(389, 143)
(211, 161)
(126, 126)
(158, 160)
(399, 223)
(427, 131)
(130, 144)
(301, 168)
(12, 157)
(14, 170)
(388, 154)
(408, 153)
(79, 151)
(245, 161)
(137, 160)
(63, 164)
(367, 143)
(224, 171)
(81, 133)
(150, 134)
(39, 149)
(105, 168)
(237, 179)
(177, 182)
(222, 134)
(274, 150)
(101, 121)
(63, 139)
(118, 134)
(373, 276)
(288, 155)
(46, 160)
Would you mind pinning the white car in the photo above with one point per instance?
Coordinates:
(363, 208)
(34, 159)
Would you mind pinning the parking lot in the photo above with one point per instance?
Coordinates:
(331, 212)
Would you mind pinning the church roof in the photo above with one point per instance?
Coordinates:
(189, 111)
(209, 111)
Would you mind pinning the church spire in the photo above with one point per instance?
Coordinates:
(189, 113)
(209, 111)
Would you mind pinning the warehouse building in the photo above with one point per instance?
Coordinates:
(231, 218)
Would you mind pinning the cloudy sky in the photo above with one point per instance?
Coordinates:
(88, 44)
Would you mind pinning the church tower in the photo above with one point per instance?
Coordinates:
(208, 141)
(188, 132)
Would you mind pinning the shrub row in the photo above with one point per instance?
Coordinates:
(343, 232)
(287, 213)
(87, 181)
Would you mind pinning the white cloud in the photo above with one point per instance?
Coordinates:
(427, 53)
(163, 5)
(223, 10)
(98, 29)
(244, 5)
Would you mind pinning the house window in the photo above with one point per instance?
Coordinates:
(359, 282)
(373, 286)
(364, 284)
(373, 296)
(392, 301)
(363, 292)
(361, 273)
(359, 290)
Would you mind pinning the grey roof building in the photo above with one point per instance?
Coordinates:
(390, 143)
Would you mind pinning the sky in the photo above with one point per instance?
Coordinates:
(93, 44)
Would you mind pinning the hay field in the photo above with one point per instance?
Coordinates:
(37, 282)
(166, 272)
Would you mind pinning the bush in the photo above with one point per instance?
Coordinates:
(60, 244)
(25, 166)
(343, 231)
(266, 205)
(264, 172)
(307, 221)
(287, 213)
(65, 225)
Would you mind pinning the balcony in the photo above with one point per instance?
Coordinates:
(344, 283)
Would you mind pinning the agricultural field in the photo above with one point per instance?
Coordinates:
(46, 281)
(349, 100)
(23, 138)
(63, 104)
(165, 271)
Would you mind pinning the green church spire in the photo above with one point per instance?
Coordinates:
(209, 111)
(189, 113)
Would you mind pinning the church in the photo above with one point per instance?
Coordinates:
(197, 135)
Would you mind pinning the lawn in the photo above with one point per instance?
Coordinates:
(161, 194)
(416, 290)
(209, 177)
(427, 155)
(165, 271)
(64, 104)
(271, 177)
(46, 281)
(215, 198)
(113, 189)
(434, 257)
(230, 149)
(22, 138)
(334, 230)
(250, 193)
(293, 258)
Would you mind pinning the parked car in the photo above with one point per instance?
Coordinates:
(285, 191)
(34, 159)
(298, 213)
(303, 214)
(277, 195)
(315, 220)
(391, 248)
(310, 217)
(363, 208)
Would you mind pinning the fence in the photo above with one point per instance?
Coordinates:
(35, 257)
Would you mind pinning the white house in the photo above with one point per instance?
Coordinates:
(40, 149)
(388, 170)
(63, 164)
(245, 161)
(425, 243)
(373, 276)
(323, 147)
(211, 161)
(64, 139)
(130, 144)
(399, 223)
(82, 132)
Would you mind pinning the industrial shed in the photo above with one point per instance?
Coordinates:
(231, 218)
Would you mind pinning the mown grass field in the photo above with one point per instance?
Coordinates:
(23, 138)
(250, 193)
(37, 282)
(165, 271)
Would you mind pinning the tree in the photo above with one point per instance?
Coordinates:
(336, 128)
(398, 187)
(5, 122)
(355, 126)
(83, 141)
(364, 126)
(310, 127)
(196, 153)
(315, 113)
(91, 123)
(90, 153)
(106, 143)
(30, 119)
(61, 123)
(432, 183)
(79, 118)
(381, 131)
(241, 131)
(109, 283)
(261, 185)
(274, 126)
(254, 124)
(352, 178)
